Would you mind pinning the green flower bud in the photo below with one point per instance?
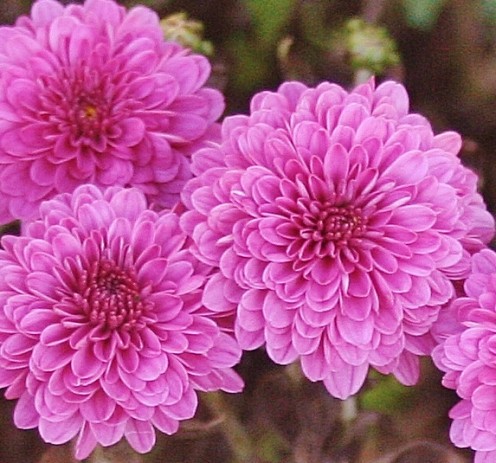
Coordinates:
(188, 32)
(369, 47)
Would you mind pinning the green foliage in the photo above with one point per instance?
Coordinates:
(188, 32)
(254, 51)
(369, 47)
(250, 66)
(270, 17)
(488, 9)
(271, 447)
(388, 396)
(422, 14)
(315, 27)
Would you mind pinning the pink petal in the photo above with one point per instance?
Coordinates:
(108, 434)
(133, 131)
(60, 432)
(184, 408)
(140, 435)
(86, 442)
(164, 423)
(347, 381)
(99, 408)
(25, 414)
(407, 370)
(44, 12)
(85, 365)
(50, 358)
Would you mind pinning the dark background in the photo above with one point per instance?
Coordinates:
(447, 51)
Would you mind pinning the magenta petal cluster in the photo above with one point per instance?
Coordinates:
(468, 356)
(338, 221)
(103, 334)
(93, 94)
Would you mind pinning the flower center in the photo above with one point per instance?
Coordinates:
(110, 295)
(320, 228)
(325, 222)
(79, 103)
(87, 118)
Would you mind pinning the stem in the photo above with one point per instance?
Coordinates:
(349, 410)
(232, 429)
(362, 76)
(117, 453)
(98, 456)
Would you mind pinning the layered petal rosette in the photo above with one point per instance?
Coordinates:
(337, 221)
(468, 357)
(103, 334)
(93, 94)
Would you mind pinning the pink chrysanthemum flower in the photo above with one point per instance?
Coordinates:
(93, 94)
(102, 330)
(337, 221)
(468, 356)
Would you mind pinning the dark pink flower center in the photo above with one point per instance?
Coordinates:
(325, 222)
(80, 103)
(110, 295)
(86, 117)
(322, 227)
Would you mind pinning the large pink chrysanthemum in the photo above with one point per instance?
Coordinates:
(93, 94)
(337, 221)
(468, 356)
(102, 329)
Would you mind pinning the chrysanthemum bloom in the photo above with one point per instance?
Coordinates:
(93, 94)
(337, 221)
(468, 356)
(102, 329)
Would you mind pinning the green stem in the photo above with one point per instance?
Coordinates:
(362, 76)
(233, 430)
(349, 410)
(98, 456)
(115, 454)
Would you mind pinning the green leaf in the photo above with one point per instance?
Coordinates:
(250, 66)
(422, 14)
(271, 447)
(388, 396)
(270, 17)
(314, 25)
(488, 8)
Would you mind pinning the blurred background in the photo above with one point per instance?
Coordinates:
(444, 51)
